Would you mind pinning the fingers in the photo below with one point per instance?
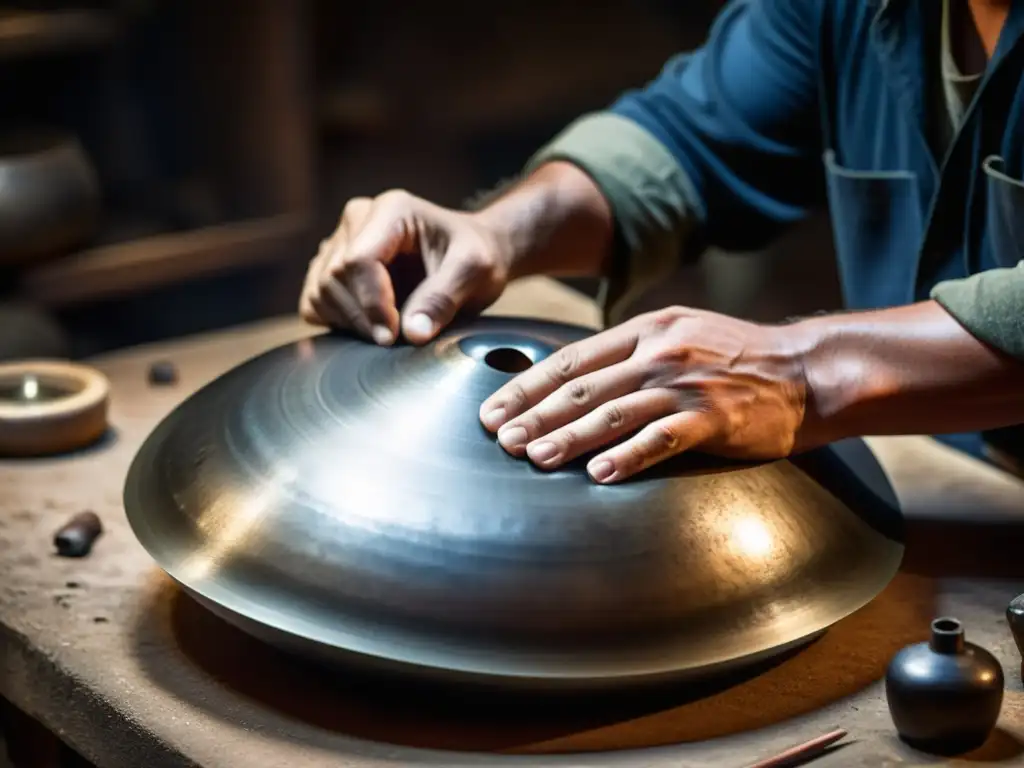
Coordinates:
(347, 284)
(350, 283)
(344, 310)
(658, 441)
(435, 302)
(306, 310)
(600, 426)
(571, 362)
(372, 233)
(324, 301)
(372, 293)
(383, 226)
(572, 401)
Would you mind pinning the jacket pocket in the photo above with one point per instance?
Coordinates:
(877, 222)
(1005, 213)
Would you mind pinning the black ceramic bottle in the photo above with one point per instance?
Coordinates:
(944, 695)
(1015, 618)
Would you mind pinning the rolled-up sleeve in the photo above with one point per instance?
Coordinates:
(652, 200)
(990, 305)
(723, 148)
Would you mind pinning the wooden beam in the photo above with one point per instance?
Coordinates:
(125, 268)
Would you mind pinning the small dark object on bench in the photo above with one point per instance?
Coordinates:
(76, 537)
(163, 372)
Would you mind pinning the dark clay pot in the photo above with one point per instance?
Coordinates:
(1015, 618)
(944, 695)
(49, 196)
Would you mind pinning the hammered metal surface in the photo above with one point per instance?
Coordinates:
(343, 500)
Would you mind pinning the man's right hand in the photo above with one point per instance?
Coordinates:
(554, 222)
(349, 284)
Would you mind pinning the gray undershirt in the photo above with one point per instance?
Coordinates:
(958, 87)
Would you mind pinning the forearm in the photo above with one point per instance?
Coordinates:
(908, 370)
(609, 164)
(555, 222)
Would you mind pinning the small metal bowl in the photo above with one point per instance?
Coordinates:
(49, 196)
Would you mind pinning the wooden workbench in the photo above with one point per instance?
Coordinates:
(106, 654)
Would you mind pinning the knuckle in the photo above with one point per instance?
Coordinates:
(353, 208)
(533, 423)
(664, 364)
(564, 364)
(613, 417)
(567, 439)
(662, 438)
(634, 459)
(355, 255)
(578, 392)
(394, 199)
(663, 319)
(515, 396)
(474, 263)
(661, 364)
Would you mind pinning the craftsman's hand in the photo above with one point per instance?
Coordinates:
(679, 379)
(350, 283)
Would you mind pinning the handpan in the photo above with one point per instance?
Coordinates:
(342, 500)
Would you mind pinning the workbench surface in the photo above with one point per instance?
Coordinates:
(111, 657)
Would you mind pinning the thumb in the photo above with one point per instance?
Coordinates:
(436, 300)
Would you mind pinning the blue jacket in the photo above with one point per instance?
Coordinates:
(792, 104)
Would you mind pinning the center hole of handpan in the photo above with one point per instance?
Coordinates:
(508, 360)
(508, 353)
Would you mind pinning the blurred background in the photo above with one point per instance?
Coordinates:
(169, 167)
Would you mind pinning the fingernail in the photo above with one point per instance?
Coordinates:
(512, 437)
(542, 452)
(601, 470)
(419, 325)
(494, 418)
(382, 335)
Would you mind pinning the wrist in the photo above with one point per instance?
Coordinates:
(554, 222)
(907, 370)
(842, 382)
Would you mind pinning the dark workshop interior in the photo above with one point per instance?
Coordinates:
(168, 169)
(222, 139)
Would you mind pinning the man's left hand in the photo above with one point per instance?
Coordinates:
(668, 381)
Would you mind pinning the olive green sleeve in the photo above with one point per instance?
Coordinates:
(990, 305)
(654, 204)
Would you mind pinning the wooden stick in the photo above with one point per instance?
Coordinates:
(803, 752)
